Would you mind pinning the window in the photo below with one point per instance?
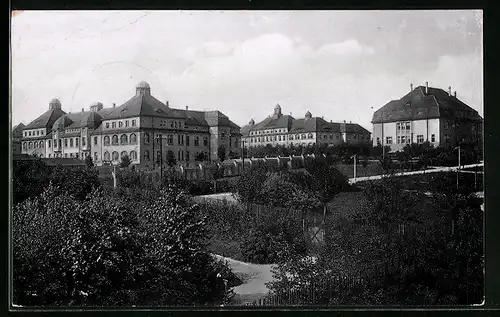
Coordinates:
(77, 155)
(187, 156)
(433, 138)
(267, 138)
(95, 140)
(25, 147)
(196, 141)
(133, 123)
(66, 155)
(133, 155)
(83, 141)
(113, 125)
(274, 138)
(126, 123)
(115, 156)
(42, 132)
(106, 140)
(36, 145)
(378, 141)
(123, 139)
(403, 139)
(106, 156)
(41, 144)
(70, 142)
(290, 137)
(70, 154)
(420, 138)
(388, 140)
(114, 140)
(179, 139)
(76, 141)
(146, 155)
(279, 138)
(65, 142)
(95, 156)
(187, 140)
(107, 125)
(170, 139)
(146, 138)
(205, 141)
(123, 154)
(179, 155)
(120, 124)
(60, 143)
(50, 155)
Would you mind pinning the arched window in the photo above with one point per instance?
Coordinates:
(71, 142)
(41, 144)
(95, 156)
(60, 143)
(25, 147)
(106, 140)
(133, 155)
(123, 154)
(310, 136)
(146, 155)
(106, 156)
(115, 156)
(114, 140)
(146, 138)
(95, 140)
(124, 139)
(36, 145)
(133, 139)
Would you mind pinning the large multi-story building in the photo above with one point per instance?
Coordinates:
(143, 128)
(426, 114)
(280, 129)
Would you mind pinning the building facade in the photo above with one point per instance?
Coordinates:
(17, 135)
(143, 128)
(426, 114)
(285, 130)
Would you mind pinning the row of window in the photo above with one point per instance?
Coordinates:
(68, 142)
(116, 157)
(76, 155)
(268, 131)
(121, 124)
(402, 139)
(403, 126)
(124, 139)
(32, 133)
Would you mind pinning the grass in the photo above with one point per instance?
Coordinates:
(371, 169)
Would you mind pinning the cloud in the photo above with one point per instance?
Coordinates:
(345, 48)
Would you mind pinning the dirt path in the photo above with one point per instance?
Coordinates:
(254, 277)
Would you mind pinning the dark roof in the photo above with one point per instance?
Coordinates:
(312, 125)
(245, 130)
(417, 105)
(90, 119)
(352, 128)
(46, 120)
(142, 105)
(17, 130)
(283, 121)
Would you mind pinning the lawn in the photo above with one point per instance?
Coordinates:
(373, 168)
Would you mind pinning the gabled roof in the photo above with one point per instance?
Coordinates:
(46, 120)
(142, 105)
(312, 125)
(245, 130)
(417, 105)
(17, 130)
(352, 128)
(283, 121)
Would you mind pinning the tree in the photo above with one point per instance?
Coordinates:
(325, 183)
(171, 160)
(125, 161)
(88, 161)
(221, 153)
(29, 179)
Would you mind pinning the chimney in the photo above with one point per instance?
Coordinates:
(411, 87)
(455, 94)
(344, 121)
(83, 110)
(167, 103)
(114, 105)
(449, 91)
(350, 122)
(331, 121)
(426, 87)
(187, 108)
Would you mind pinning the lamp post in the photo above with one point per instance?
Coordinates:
(458, 169)
(354, 156)
(242, 155)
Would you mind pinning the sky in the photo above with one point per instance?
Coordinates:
(340, 65)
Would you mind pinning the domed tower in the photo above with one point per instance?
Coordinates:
(143, 88)
(277, 111)
(251, 122)
(308, 115)
(54, 104)
(96, 106)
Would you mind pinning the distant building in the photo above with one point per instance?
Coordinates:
(17, 135)
(132, 129)
(426, 114)
(280, 129)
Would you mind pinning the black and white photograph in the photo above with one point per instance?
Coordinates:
(246, 159)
